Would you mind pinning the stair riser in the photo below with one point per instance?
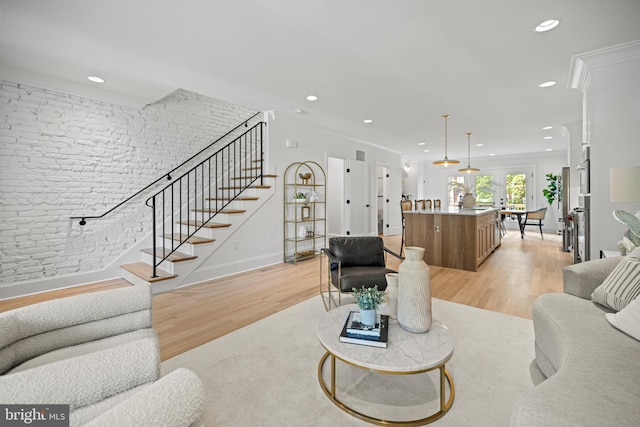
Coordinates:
(221, 236)
(178, 268)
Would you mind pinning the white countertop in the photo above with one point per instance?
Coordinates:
(454, 211)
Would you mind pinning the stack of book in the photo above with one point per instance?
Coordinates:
(355, 332)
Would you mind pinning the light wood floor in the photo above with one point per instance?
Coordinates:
(508, 282)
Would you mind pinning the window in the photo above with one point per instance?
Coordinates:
(452, 193)
(516, 191)
(484, 190)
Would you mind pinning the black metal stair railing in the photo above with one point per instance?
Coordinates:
(192, 200)
(167, 176)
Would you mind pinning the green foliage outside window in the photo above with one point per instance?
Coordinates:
(516, 190)
(484, 190)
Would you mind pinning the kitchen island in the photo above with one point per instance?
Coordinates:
(454, 238)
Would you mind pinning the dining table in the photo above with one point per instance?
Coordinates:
(518, 213)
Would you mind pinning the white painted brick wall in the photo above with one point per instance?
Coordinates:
(63, 155)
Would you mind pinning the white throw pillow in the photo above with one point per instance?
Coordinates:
(621, 286)
(627, 319)
(635, 253)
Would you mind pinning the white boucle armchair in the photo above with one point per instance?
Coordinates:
(98, 353)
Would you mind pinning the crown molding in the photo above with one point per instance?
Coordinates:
(582, 64)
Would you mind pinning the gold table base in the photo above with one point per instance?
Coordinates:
(445, 404)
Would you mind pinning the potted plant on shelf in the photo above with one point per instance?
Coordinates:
(300, 198)
(368, 300)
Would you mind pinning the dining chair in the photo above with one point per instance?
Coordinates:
(405, 205)
(437, 204)
(421, 204)
(428, 204)
(534, 218)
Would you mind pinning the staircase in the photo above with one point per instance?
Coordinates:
(197, 212)
(175, 266)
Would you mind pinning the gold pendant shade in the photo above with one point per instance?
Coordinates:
(446, 161)
(469, 169)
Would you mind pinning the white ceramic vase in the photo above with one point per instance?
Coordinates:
(468, 201)
(391, 294)
(368, 317)
(414, 292)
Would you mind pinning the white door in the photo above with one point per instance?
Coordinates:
(336, 190)
(357, 203)
(393, 196)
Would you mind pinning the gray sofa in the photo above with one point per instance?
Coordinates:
(97, 353)
(592, 368)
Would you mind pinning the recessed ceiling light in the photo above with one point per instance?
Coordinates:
(548, 84)
(421, 143)
(548, 149)
(479, 145)
(547, 127)
(367, 121)
(548, 137)
(312, 98)
(492, 154)
(547, 25)
(96, 79)
(425, 151)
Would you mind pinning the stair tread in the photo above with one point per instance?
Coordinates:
(241, 188)
(222, 211)
(207, 225)
(174, 257)
(194, 240)
(144, 271)
(242, 198)
(254, 177)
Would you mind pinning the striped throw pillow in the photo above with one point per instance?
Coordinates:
(621, 286)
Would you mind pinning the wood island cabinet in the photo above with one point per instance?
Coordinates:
(454, 238)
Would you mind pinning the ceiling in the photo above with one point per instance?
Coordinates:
(402, 64)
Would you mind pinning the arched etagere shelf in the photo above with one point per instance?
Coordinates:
(305, 211)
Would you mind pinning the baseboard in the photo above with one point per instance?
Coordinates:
(222, 270)
(21, 289)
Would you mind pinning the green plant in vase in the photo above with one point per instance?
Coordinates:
(368, 301)
(300, 197)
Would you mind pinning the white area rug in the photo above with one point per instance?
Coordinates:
(266, 373)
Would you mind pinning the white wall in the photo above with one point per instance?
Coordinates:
(540, 164)
(610, 79)
(62, 155)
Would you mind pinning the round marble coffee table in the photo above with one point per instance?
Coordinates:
(407, 353)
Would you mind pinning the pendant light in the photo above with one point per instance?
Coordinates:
(469, 169)
(446, 161)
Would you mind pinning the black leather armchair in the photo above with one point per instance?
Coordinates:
(354, 262)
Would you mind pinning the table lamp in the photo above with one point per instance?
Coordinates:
(625, 187)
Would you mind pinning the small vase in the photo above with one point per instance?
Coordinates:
(368, 317)
(391, 294)
(468, 201)
(302, 233)
(414, 292)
